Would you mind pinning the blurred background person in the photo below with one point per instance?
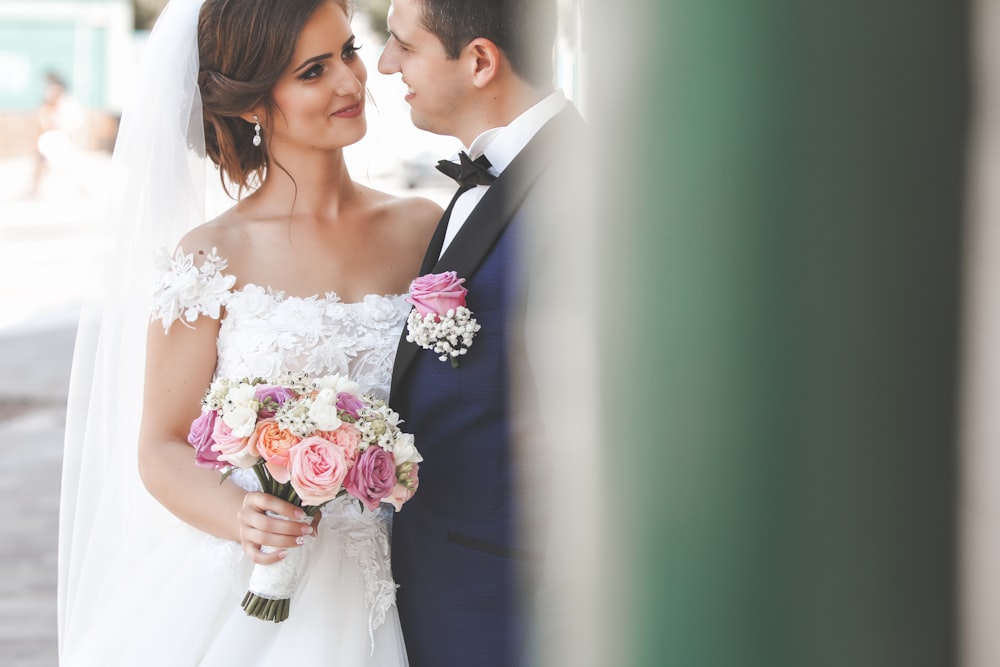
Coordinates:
(60, 124)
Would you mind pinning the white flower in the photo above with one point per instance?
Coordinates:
(337, 383)
(241, 420)
(242, 395)
(404, 450)
(294, 416)
(323, 410)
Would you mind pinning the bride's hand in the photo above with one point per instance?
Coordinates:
(257, 528)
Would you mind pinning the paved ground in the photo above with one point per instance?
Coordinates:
(40, 244)
(35, 369)
(43, 250)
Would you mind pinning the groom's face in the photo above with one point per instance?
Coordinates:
(436, 86)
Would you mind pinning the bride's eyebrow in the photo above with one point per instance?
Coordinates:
(310, 61)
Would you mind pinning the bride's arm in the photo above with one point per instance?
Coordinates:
(179, 368)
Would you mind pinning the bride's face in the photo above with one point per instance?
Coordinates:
(320, 99)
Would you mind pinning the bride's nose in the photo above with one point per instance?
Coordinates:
(350, 80)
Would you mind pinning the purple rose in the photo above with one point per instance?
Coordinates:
(350, 404)
(372, 477)
(270, 397)
(200, 437)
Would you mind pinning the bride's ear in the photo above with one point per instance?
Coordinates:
(252, 116)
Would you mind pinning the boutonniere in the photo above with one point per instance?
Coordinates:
(440, 321)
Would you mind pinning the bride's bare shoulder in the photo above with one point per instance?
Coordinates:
(407, 217)
(223, 235)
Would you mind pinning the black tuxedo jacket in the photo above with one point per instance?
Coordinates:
(459, 558)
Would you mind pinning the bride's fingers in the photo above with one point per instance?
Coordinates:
(252, 549)
(257, 528)
(258, 501)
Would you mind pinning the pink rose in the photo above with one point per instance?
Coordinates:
(200, 437)
(232, 449)
(317, 469)
(348, 438)
(270, 397)
(350, 404)
(372, 477)
(437, 293)
(404, 489)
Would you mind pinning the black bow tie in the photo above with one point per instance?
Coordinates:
(467, 173)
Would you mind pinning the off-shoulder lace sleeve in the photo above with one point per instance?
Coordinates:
(184, 291)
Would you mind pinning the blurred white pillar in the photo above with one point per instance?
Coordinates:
(980, 503)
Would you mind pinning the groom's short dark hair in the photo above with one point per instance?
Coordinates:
(523, 29)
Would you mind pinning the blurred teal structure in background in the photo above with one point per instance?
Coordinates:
(89, 44)
(79, 40)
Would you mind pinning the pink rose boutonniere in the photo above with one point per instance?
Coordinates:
(440, 320)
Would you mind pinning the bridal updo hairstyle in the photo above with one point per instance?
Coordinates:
(244, 46)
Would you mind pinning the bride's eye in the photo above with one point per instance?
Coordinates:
(350, 51)
(313, 72)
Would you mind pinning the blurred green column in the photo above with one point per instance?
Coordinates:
(783, 220)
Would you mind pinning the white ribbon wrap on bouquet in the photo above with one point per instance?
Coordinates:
(277, 581)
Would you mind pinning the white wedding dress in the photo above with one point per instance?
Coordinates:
(185, 611)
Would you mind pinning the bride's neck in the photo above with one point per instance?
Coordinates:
(315, 184)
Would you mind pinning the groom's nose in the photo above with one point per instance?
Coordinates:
(388, 62)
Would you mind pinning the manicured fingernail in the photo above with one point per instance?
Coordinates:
(300, 540)
(307, 530)
(282, 553)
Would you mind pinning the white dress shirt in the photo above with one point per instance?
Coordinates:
(501, 145)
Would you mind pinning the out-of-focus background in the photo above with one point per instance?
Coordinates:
(796, 312)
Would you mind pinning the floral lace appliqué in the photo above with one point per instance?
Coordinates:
(184, 291)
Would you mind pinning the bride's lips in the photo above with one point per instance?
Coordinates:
(352, 111)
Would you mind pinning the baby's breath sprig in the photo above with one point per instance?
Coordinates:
(449, 336)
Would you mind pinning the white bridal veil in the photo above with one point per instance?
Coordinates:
(158, 192)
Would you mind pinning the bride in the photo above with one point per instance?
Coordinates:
(306, 273)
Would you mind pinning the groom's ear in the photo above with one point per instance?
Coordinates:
(484, 56)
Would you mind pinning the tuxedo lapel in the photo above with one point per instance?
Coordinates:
(437, 240)
(493, 213)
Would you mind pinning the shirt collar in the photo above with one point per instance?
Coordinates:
(502, 144)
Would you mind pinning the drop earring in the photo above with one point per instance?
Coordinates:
(256, 131)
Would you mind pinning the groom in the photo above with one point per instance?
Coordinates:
(481, 71)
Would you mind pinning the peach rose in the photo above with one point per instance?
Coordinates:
(274, 443)
(317, 469)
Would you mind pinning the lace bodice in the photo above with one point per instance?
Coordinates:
(265, 333)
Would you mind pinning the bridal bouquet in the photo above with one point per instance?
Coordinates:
(308, 440)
